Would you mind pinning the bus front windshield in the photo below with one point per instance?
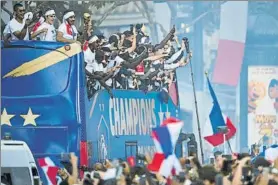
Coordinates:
(30, 78)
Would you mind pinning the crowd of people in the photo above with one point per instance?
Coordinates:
(224, 170)
(125, 60)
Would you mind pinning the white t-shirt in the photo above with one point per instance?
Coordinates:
(98, 67)
(50, 35)
(89, 58)
(16, 26)
(112, 63)
(63, 28)
(7, 29)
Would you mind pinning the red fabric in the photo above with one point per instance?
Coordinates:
(218, 139)
(154, 135)
(37, 25)
(42, 162)
(52, 173)
(228, 63)
(85, 46)
(49, 171)
(140, 68)
(69, 29)
(170, 120)
(83, 155)
(157, 160)
(173, 93)
(131, 161)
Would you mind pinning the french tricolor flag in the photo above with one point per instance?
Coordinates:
(217, 119)
(165, 138)
(49, 168)
(233, 28)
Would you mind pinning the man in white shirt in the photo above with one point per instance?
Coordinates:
(19, 25)
(46, 31)
(89, 53)
(67, 32)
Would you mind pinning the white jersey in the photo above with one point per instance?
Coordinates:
(50, 35)
(70, 33)
(89, 58)
(15, 26)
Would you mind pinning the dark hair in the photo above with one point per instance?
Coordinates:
(125, 56)
(113, 39)
(16, 6)
(88, 181)
(128, 33)
(217, 153)
(127, 43)
(99, 56)
(208, 173)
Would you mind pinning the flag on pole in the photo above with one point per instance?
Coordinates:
(231, 42)
(49, 168)
(217, 119)
(165, 138)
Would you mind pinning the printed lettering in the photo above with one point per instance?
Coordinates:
(131, 116)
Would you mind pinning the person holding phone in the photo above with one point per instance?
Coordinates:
(19, 24)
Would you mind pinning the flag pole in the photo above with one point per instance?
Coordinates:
(197, 112)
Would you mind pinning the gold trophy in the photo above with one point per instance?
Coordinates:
(87, 20)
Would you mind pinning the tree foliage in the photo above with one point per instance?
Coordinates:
(79, 7)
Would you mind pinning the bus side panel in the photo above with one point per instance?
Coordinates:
(120, 127)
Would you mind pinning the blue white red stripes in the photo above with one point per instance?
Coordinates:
(49, 168)
(231, 42)
(217, 119)
(165, 138)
